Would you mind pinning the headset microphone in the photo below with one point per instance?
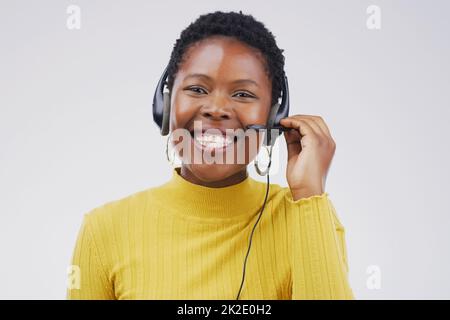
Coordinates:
(259, 127)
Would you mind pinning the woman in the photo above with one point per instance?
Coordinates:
(189, 238)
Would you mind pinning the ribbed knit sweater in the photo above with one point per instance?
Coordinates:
(180, 240)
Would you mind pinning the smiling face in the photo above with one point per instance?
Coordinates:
(221, 83)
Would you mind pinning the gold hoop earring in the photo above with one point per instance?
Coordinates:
(171, 161)
(266, 171)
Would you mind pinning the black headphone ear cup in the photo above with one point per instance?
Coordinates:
(270, 123)
(166, 114)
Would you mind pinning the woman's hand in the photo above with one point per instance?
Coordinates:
(310, 151)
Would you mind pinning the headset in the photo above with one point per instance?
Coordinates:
(273, 129)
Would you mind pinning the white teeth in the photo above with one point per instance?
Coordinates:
(213, 140)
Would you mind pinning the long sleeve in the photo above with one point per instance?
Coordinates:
(88, 278)
(186, 241)
(319, 266)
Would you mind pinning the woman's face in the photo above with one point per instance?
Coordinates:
(221, 83)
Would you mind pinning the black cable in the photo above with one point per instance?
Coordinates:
(251, 235)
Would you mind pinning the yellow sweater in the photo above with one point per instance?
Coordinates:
(181, 240)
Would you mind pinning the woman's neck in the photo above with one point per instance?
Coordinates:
(231, 180)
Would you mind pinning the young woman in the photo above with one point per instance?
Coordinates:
(190, 237)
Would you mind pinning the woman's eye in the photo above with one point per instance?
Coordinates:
(245, 95)
(196, 89)
(200, 90)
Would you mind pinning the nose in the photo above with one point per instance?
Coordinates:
(216, 110)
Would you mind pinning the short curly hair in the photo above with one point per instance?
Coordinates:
(240, 26)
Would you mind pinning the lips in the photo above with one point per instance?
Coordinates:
(209, 138)
(210, 133)
(213, 141)
(214, 131)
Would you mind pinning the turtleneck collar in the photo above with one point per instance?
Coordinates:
(189, 199)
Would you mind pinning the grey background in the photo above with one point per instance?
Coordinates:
(76, 128)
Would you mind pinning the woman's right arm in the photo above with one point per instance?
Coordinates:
(88, 277)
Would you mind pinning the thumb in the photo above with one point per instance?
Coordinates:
(293, 143)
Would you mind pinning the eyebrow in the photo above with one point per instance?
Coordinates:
(201, 75)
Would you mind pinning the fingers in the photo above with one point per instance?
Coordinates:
(293, 142)
(304, 126)
(315, 122)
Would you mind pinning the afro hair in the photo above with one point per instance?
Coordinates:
(240, 26)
